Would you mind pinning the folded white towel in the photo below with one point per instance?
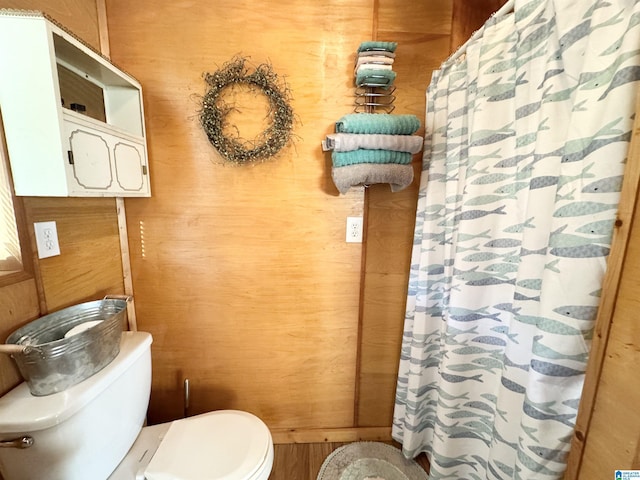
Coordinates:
(375, 59)
(346, 142)
(370, 66)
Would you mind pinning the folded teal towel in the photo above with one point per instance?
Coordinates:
(387, 46)
(375, 77)
(378, 123)
(342, 159)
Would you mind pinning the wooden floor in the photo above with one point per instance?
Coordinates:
(302, 461)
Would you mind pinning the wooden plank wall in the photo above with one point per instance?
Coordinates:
(89, 265)
(80, 16)
(469, 17)
(613, 440)
(19, 303)
(242, 273)
(423, 33)
(607, 434)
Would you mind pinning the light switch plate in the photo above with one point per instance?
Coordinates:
(47, 239)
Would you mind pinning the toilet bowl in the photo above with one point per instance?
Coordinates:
(94, 431)
(227, 444)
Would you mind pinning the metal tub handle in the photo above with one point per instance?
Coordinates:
(12, 349)
(16, 348)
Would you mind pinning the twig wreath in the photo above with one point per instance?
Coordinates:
(215, 110)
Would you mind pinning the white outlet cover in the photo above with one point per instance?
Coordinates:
(354, 230)
(46, 239)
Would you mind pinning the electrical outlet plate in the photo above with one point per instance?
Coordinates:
(46, 239)
(354, 230)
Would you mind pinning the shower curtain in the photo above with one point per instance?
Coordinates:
(525, 145)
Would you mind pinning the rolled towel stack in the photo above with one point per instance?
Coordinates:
(374, 64)
(370, 148)
(378, 123)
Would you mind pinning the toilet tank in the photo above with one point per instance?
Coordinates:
(83, 432)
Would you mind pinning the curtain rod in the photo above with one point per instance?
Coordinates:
(505, 9)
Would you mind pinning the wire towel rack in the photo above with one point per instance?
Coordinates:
(374, 92)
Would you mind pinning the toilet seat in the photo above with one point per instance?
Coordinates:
(226, 444)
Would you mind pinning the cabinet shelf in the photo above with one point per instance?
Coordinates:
(74, 123)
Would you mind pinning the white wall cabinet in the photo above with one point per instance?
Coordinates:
(73, 122)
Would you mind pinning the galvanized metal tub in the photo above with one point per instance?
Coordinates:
(51, 363)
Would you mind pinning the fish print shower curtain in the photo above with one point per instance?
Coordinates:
(526, 141)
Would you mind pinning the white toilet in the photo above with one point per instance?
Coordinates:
(94, 431)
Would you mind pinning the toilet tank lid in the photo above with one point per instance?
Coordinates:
(21, 412)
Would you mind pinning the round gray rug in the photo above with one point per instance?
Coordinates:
(369, 461)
